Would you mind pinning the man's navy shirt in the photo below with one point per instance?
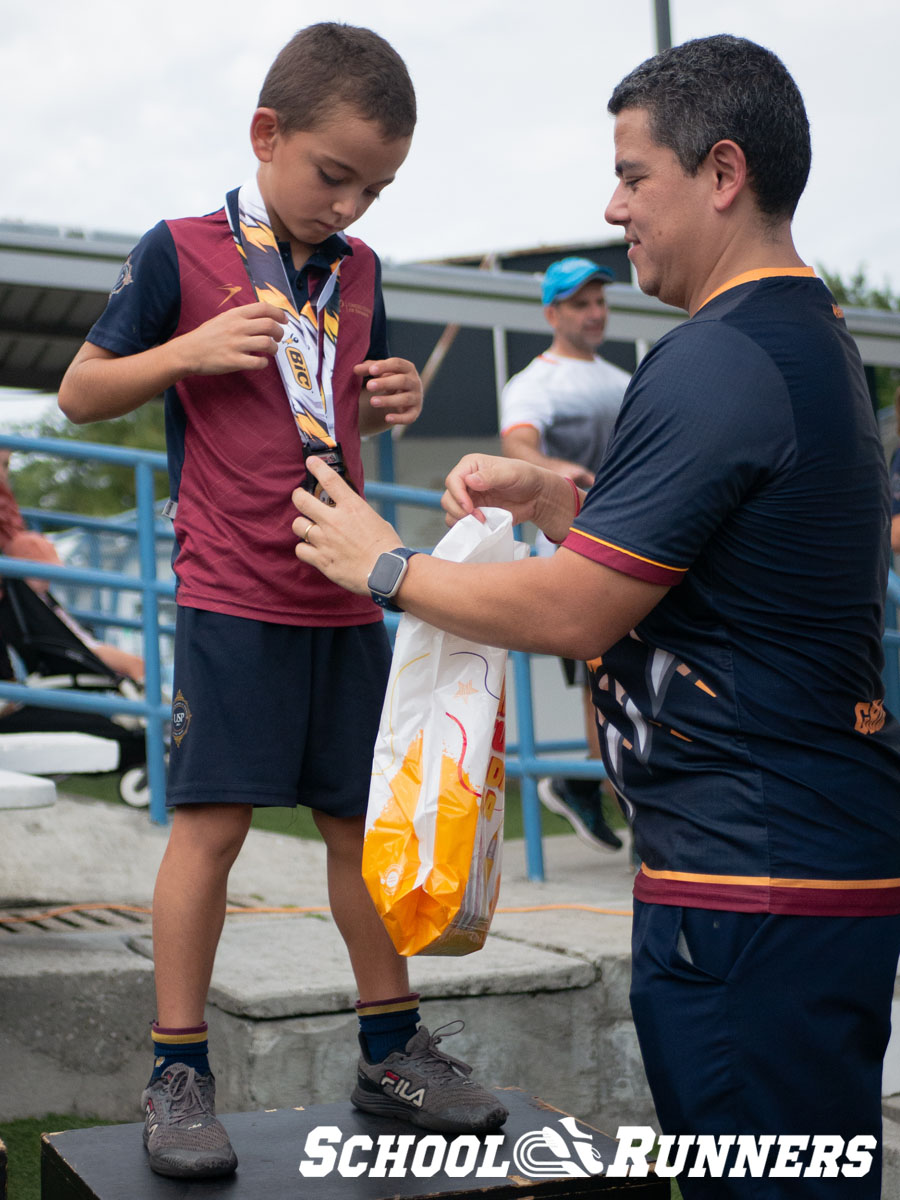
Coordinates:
(744, 716)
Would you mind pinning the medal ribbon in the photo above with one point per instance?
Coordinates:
(306, 352)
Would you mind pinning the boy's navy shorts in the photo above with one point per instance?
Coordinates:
(275, 715)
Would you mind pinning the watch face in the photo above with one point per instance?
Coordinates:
(386, 574)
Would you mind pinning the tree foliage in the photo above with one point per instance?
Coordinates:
(89, 488)
(858, 292)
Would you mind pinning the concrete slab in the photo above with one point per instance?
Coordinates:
(57, 753)
(545, 1003)
(890, 1182)
(89, 850)
(18, 790)
(69, 1003)
(281, 984)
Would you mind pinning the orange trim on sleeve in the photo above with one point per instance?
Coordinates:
(621, 550)
(519, 425)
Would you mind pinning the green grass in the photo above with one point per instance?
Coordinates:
(298, 822)
(23, 1145)
(92, 787)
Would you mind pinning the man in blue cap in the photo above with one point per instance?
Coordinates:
(559, 413)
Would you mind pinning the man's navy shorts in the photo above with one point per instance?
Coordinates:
(275, 715)
(758, 1023)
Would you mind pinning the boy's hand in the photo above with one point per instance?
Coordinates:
(392, 393)
(239, 339)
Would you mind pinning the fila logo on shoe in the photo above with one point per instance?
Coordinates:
(402, 1088)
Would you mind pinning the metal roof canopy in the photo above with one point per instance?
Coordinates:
(54, 284)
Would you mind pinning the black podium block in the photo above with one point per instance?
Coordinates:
(109, 1162)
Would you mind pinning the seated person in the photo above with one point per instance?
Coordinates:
(18, 542)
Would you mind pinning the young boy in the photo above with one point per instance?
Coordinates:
(279, 675)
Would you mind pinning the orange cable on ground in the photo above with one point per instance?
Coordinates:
(284, 910)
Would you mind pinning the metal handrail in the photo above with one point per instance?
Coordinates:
(143, 463)
(527, 759)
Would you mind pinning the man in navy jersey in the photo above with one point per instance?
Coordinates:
(725, 577)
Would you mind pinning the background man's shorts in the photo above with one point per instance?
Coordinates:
(278, 715)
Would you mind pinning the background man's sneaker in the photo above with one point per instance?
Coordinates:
(427, 1087)
(182, 1134)
(584, 814)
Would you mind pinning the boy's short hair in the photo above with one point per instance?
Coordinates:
(329, 64)
(725, 87)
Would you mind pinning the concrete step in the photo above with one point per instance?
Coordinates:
(890, 1186)
(77, 1006)
(57, 753)
(18, 790)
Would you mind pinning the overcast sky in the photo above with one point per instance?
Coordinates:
(117, 114)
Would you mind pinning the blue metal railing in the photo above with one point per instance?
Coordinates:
(151, 709)
(527, 758)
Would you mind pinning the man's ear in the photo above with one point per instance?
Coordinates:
(263, 132)
(729, 168)
(550, 315)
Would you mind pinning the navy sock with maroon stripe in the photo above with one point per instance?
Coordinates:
(387, 1025)
(189, 1046)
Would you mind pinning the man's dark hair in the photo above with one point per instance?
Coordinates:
(703, 91)
(329, 64)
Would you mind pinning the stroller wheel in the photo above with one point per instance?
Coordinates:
(134, 787)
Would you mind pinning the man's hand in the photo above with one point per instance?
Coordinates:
(239, 339)
(528, 492)
(391, 395)
(342, 540)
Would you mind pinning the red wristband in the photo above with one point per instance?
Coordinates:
(574, 487)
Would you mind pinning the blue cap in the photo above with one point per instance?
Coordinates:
(563, 279)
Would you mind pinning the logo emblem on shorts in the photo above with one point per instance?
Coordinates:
(181, 718)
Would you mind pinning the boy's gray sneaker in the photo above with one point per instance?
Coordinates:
(182, 1134)
(427, 1087)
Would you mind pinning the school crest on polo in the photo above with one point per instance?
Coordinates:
(126, 276)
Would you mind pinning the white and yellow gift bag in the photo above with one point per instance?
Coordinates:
(434, 825)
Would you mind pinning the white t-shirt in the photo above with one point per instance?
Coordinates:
(571, 402)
